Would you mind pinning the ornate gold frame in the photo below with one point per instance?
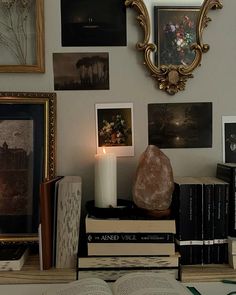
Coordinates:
(42, 105)
(172, 78)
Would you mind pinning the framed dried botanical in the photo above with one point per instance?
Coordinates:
(27, 157)
(22, 36)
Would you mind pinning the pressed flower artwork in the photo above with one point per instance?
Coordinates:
(175, 32)
(114, 128)
(21, 36)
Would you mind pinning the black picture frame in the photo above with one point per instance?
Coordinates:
(27, 157)
(93, 23)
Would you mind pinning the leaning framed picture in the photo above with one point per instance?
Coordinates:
(114, 128)
(22, 36)
(229, 139)
(174, 33)
(27, 157)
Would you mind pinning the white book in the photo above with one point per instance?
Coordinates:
(141, 283)
(68, 221)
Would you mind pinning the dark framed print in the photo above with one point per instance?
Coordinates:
(27, 157)
(93, 23)
(229, 139)
(174, 33)
(22, 36)
(180, 125)
(114, 128)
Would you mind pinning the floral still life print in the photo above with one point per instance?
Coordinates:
(114, 130)
(175, 32)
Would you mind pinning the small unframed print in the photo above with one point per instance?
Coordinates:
(81, 71)
(180, 125)
(114, 128)
(229, 139)
(93, 23)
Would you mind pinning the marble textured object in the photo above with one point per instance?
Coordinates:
(153, 184)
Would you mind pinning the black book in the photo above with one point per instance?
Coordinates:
(187, 207)
(227, 172)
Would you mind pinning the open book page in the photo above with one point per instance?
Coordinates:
(148, 283)
(88, 286)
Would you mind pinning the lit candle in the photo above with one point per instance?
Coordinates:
(105, 180)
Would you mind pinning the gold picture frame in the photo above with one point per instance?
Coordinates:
(22, 36)
(27, 157)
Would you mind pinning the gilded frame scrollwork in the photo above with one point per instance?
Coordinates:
(172, 78)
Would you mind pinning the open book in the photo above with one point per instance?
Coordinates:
(137, 283)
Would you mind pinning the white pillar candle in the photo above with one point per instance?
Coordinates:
(105, 180)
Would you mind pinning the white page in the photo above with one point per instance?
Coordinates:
(148, 283)
(88, 286)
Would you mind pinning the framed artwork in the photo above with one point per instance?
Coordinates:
(229, 139)
(93, 23)
(174, 33)
(27, 157)
(81, 71)
(22, 36)
(114, 128)
(180, 125)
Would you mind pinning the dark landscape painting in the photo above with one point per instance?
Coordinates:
(180, 125)
(93, 23)
(81, 71)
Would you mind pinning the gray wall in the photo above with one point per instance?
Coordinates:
(213, 82)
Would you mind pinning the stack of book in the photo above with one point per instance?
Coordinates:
(118, 246)
(201, 211)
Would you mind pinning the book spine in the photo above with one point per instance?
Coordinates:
(130, 237)
(128, 261)
(208, 223)
(228, 174)
(188, 211)
(220, 224)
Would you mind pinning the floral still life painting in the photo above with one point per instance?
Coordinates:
(175, 32)
(114, 126)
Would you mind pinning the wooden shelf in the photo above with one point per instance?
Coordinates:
(206, 273)
(31, 274)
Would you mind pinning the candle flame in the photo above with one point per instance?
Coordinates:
(104, 150)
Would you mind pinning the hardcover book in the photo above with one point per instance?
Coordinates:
(116, 225)
(12, 257)
(96, 262)
(111, 275)
(68, 221)
(227, 172)
(117, 249)
(47, 195)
